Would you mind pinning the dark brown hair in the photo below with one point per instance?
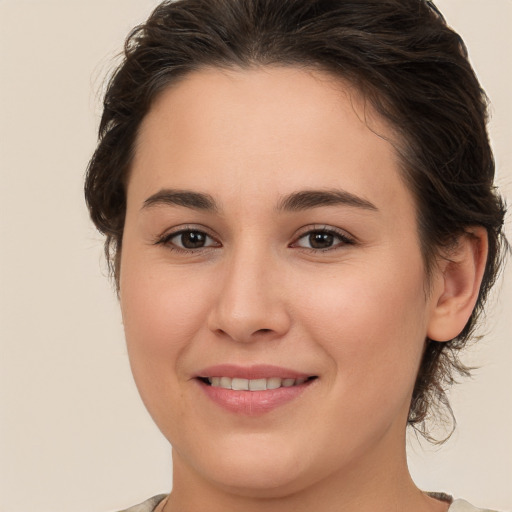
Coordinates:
(408, 63)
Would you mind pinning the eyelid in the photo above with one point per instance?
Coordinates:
(343, 235)
(166, 237)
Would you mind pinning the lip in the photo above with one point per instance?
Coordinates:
(252, 403)
(259, 371)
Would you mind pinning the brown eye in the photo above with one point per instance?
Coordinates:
(190, 239)
(322, 240)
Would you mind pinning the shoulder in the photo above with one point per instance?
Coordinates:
(146, 506)
(464, 506)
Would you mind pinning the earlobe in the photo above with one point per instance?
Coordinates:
(460, 275)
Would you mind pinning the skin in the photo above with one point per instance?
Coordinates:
(355, 314)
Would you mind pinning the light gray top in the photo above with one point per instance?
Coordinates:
(464, 506)
(152, 503)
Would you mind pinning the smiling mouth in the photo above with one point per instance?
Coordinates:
(239, 384)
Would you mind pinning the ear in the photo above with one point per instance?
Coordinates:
(457, 285)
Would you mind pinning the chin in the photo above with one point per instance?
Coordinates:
(266, 482)
(255, 469)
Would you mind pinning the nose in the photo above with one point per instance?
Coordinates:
(251, 300)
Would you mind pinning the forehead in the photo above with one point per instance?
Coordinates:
(239, 132)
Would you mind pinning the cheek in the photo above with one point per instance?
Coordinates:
(162, 312)
(372, 324)
(160, 318)
(158, 315)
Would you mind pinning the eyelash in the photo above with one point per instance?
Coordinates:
(165, 240)
(343, 240)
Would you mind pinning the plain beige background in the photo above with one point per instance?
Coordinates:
(74, 436)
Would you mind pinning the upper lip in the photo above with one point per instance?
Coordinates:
(258, 371)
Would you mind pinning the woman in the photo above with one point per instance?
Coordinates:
(301, 220)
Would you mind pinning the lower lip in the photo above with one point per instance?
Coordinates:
(253, 403)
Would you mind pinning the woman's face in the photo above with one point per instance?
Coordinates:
(269, 239)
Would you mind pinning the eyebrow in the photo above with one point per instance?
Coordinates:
(186, 198)
(307, 199)
(297, 201)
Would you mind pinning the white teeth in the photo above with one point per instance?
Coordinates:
(274, 383)
(254, 384)
(257, 384)
(240, 384)
(225, 382)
